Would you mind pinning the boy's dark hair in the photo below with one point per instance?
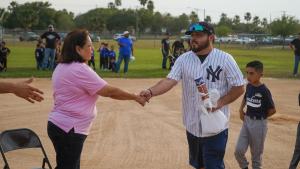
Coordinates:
(3, 43)
(257, 65)
(75, 38)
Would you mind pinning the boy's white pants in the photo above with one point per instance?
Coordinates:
(253, 134)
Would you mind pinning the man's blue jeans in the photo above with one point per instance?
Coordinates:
(126, 59)
(49, 58)
(297, 60)
(207, 152)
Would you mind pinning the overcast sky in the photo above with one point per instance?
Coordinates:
(262, 8)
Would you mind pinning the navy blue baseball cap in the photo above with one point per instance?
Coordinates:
(200, 27)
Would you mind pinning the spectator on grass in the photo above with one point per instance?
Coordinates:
(177, 50)
(165, 49)
(125, 51)
(51, 38)
(103, 50)
(112, 58)
(4, 53)
(39, 55)
(295, 46)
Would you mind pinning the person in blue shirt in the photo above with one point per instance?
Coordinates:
(125, 51)
(103, 50)
(260, 107)
(39, 55)
(112, 59)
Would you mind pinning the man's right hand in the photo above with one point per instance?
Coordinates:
(146, 94)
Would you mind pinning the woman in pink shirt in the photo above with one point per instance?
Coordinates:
(76, 89)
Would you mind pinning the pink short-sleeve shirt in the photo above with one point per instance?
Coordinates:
(75, 88)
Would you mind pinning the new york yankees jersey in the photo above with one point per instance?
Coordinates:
(219, 71)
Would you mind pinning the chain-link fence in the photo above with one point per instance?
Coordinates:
(153, 39)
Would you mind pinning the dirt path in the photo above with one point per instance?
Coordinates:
(127, 136)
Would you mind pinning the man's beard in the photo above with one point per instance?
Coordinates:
(199, 48)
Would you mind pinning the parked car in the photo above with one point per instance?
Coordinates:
(244, 40)
(119, 35)
(186, 37)
(29, 36)
(94, 37)
(267, 41)
(279, 40)
(227, 39)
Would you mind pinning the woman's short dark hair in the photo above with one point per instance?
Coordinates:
(75, 38)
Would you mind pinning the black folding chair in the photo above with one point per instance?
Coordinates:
(11, 140)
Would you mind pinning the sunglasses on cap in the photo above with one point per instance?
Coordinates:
(197, 27)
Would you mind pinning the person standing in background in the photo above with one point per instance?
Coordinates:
(51, 38)
(125, 51)
(165, 49)
(112, 59)
(39, 55)
(4, 52)
(295, 46)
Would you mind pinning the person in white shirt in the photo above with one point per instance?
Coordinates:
(218, 71)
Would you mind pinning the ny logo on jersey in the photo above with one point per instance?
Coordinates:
(214, 74)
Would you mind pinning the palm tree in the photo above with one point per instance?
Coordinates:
(248, 17)
(256, 21)
(207, 19)
(236, 20)
(143, 2)
(111, 5)
(150, 5)
(118, 2)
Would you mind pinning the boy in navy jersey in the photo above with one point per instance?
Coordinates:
(112, 59)
(260, 106)
(39, 55)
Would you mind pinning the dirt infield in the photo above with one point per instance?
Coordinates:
(127, 136)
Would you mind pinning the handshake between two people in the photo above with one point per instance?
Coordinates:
(144, 97)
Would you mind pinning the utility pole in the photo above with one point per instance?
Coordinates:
(136, 22)
(283, 13)
(197, 10)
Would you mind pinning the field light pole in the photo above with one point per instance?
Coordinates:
(136, 21)
(198, 10)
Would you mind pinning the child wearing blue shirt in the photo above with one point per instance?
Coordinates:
(260, 106)
(112, 59)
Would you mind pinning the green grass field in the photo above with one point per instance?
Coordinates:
(278, 63)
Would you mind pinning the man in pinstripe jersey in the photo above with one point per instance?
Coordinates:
(219, 71)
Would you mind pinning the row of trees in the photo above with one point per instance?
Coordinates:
(37, 15)
(284, 26)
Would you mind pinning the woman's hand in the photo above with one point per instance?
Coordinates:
(141, 100)
(119, 94)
